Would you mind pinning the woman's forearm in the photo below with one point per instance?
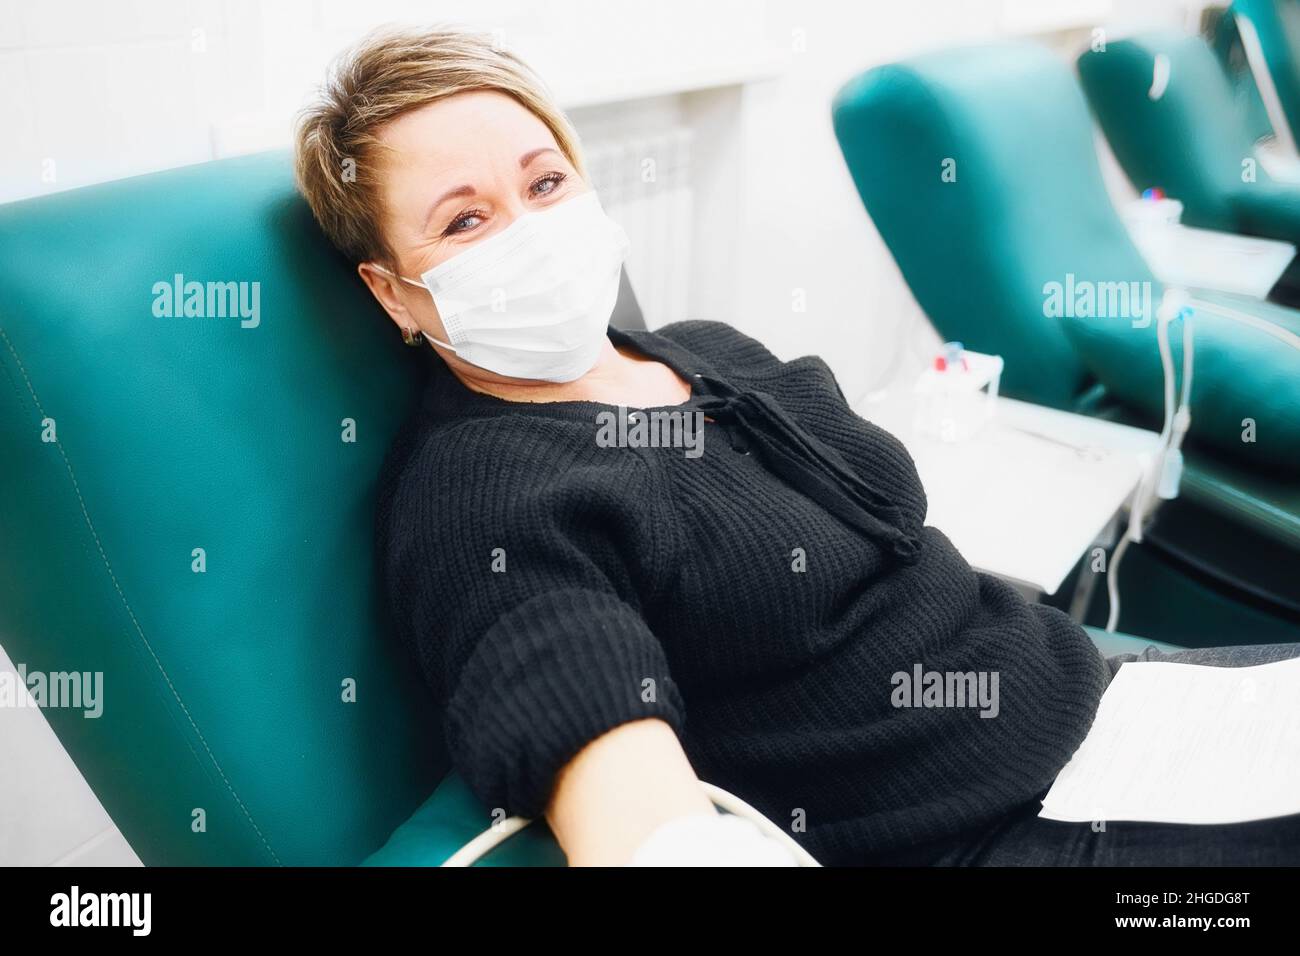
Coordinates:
(619, 789)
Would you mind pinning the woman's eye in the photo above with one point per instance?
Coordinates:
(466, 220)
(547, 184)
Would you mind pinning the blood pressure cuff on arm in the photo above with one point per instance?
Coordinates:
(1245, 400)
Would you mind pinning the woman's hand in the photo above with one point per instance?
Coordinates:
(620, 789)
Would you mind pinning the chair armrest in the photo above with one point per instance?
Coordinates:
(1112, 644)
(449, 819)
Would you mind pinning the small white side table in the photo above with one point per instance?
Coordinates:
(1031, 493)
(1193, 258)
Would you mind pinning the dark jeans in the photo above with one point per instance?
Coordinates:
(1022, 838)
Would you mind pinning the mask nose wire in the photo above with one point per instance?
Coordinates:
(449, 347)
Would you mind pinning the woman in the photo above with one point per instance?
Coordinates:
(604, 620)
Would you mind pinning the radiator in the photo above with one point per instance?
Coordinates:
(645, 185)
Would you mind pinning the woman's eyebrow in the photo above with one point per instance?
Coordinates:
(532, 154)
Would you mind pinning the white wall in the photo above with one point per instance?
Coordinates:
(97, 89)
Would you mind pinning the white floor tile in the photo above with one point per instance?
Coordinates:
(47, 810)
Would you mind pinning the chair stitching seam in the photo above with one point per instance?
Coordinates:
(131, 613)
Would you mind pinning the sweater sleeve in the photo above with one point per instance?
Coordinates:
(520, 562)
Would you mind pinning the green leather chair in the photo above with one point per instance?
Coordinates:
(1276, 26)
(978, 168)
(1193, 140)
(257, 711)
(1221, 29)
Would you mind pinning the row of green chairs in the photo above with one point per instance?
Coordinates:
(979, 169)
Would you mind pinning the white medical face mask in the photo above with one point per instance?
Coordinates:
(534, 300)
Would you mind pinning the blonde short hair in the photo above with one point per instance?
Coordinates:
(389, 73)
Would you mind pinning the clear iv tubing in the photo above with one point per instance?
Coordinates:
(1176, 423)
(496, 835)
(1169, 441)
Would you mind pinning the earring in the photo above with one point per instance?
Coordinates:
(410, 338)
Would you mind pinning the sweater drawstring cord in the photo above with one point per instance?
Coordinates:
(810, 465)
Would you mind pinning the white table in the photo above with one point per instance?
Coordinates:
(1028, 496)
(1190, 258)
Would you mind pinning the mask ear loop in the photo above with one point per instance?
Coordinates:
(421, 285)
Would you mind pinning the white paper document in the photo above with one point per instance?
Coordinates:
(1186, 743)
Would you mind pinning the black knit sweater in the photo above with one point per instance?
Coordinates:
(761, 597)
